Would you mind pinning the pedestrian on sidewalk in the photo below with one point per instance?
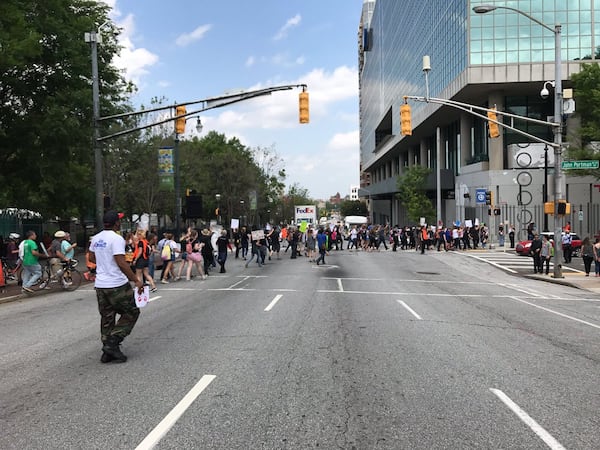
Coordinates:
(587, 252)
(545, 255)
(535, 251)
(597, 257)
(113, 289)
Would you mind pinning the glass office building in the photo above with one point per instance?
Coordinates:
(500, 59)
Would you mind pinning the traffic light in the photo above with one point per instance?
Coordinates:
(193, 206)
(489, 198)
(303, 107)
(180, 123)
(564, 208)
(493, 126)
(405, 120)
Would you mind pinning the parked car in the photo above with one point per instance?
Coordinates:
(522, 248)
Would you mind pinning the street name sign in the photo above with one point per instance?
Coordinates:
(584, 164)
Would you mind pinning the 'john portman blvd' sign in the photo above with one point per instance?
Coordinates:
(587, 164)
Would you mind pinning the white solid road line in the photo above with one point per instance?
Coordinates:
(275, 300)
(340, 286)
(536, 427)
(155, 298)
(409, 309)
(556, 312)
(167, 423)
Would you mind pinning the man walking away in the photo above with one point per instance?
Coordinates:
(113, 290)
(566, 245)
(536, 252)
(322, 244)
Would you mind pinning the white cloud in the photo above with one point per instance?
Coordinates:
(291, 23)
(344, 141)
(280, 109)
(197, 34)
(134, 62)
(250, 61)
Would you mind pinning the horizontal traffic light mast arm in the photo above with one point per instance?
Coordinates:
(209, 103)
(473, 110)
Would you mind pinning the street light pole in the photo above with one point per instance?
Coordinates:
(94, 37)
(558, 173)
(177, 189)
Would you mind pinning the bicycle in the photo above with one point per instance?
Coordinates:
(67, 277)
(10, 271)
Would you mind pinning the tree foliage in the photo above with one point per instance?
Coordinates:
(412, 194)
(46, 102)
(46, 129)
(353, 208)
(586, 85)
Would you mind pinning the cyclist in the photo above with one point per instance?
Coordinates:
(67, 248)
(56, 254)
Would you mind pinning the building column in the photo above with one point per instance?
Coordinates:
(423, 152)
(466, 123)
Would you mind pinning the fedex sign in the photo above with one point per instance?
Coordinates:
(305, 213)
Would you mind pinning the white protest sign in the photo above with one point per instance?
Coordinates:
(142, 299)
(258, 235)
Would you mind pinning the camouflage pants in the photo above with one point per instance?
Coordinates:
(113, 301)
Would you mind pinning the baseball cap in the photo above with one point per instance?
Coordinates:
(112, 217)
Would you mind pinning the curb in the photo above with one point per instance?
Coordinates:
(11, 298)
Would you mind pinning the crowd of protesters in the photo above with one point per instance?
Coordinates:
(199, 252)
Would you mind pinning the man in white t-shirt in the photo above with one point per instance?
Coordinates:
(113, 289)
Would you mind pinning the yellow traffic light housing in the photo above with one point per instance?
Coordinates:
(180, 122)
(405, 119)
(493, 128)
(303, 107)
(489, 198)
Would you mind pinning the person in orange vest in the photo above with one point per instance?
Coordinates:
(424, 238)
(90, 275)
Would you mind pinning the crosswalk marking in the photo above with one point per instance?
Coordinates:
(512, 263)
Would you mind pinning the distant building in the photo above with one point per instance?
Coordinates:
(354, 193)
(336, 199)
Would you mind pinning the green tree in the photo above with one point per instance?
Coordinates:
(353, 208)
(46, 102)
(586, 86)
(413, 196)
(296, 195)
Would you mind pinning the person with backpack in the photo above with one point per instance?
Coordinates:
(167, 254)
(141, 257)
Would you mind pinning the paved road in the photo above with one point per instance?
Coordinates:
(374, 350)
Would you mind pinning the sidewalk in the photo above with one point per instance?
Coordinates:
(577, 280)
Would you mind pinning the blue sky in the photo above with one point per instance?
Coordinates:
(187, 50)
